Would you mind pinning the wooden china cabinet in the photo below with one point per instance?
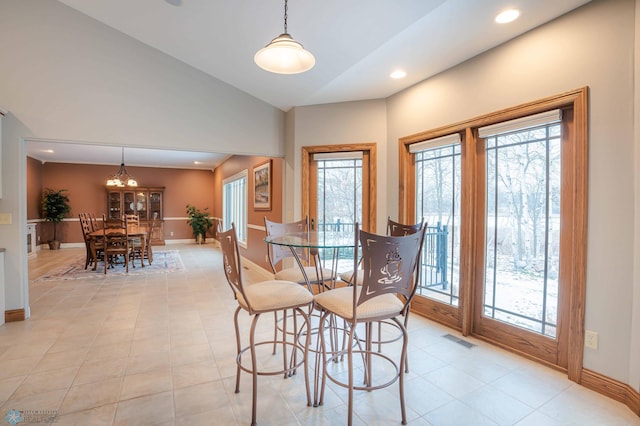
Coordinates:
(146, 202)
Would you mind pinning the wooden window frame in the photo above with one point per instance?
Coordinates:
(368, 173)
(575, 170)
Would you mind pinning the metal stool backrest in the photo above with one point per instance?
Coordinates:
(397, 229)
(389, 265)
(231, 261)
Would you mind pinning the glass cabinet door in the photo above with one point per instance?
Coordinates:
(141, 205)
(155, 205)
(114, 205)
(144, 202)
(129, 203)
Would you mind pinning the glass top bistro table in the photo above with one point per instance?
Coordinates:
(314, 241)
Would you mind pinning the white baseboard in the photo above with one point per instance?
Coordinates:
(209, 241)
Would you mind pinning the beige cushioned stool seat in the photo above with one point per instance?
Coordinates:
(348, 276)
(295, 274)
(340, 302)
(275, 295)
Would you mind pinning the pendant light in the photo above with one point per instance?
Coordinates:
(284, 55)
(122, 178)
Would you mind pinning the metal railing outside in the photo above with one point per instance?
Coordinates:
(435, 257)
(434, 254)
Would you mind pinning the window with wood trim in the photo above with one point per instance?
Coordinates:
(522, 214)
(438, 175)
(234, 204)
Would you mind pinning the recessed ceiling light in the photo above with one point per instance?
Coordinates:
(48, 151)
(507, 16)
(197, 162)
(398, 74)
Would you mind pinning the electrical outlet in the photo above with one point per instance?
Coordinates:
(591, 339)
(171, 233)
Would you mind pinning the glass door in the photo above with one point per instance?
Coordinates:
(339, 191)
(512, 192)
(522, 224)
(438, 193)
(338, 201)
(517, 289)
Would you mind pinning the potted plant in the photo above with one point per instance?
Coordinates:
(199, 221)
(55, 205)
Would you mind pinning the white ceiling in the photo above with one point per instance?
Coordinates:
(59, 152)
(356, 43)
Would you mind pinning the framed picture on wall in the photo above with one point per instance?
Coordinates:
(262, 186)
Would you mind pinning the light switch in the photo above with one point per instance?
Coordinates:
(5, 218)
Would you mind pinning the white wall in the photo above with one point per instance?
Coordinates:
(13, 237)
(65, 76)
(592, 46)
(69, 77)
(332, 124)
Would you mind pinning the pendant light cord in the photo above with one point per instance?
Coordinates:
(286, 9)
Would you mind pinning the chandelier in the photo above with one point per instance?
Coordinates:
(122, 178)
(284, 55)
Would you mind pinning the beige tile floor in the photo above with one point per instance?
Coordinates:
(159, 350)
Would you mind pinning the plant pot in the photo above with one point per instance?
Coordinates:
(199, 238)
(54, 245)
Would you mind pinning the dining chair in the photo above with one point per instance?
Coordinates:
(135, 242)
(132, 219)
(389, 269)
(93, 221)
(87, 228)
(116, 244)
(153, 230)
(144, 251)
(316, 274)
(266, 297)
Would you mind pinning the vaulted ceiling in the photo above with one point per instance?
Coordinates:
(356, 44)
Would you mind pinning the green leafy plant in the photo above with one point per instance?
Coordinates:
(55, 206)
(199, 221)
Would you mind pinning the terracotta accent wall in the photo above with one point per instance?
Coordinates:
(256, 250)
(87, 193)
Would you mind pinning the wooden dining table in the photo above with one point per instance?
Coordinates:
(133, 231)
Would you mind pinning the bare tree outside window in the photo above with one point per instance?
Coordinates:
(522, 229)
(339, 201)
